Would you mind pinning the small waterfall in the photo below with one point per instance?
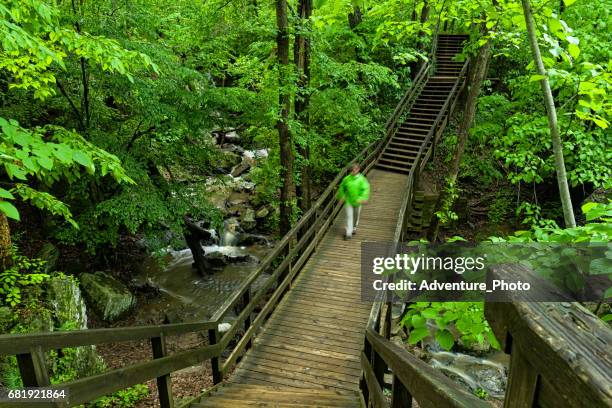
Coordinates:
(229, 237)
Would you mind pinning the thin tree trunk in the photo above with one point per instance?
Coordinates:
(5, 243)
(84, 74)
(301, 54)
(478, 72)
(566, 200)
(286, 144)
(354, 18)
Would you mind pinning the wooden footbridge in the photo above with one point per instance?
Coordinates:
(305, 339)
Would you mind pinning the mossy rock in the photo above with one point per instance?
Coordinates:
(110, 298)
(64, 297)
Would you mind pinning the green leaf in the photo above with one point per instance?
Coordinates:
(45, 162)
(493, 340)
(82, 159)
(9, 210)
(445, 339)
(63, 153)
(417, 335)
(6, 194)
(418, 321)
(569, 2)
(573, 50)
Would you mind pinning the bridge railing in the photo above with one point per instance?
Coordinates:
(253, 308)
(411, 376)
(559, 352)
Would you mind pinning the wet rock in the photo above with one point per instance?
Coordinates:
(227, 160)
(50, 254)
(256, 154)
(252, 239)
(472, 372)
(109, 297)
(243, 185)
(217, 259)
(232, 137)
(263, 212)
(233, 148)
(247, 220)
(240, 168)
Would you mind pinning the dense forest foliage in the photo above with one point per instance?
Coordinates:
(114, 115)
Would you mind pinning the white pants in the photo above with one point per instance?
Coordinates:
(351, 217)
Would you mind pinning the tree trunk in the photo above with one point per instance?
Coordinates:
(566, 200)
(5, 243)
(286, 144)
(477, 75)
(354, 18)
(301, 54)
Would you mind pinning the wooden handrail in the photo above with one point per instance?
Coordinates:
(559, 351)
(12, 344)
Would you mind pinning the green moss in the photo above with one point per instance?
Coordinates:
(109, 297)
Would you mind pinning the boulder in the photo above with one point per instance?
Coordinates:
(240, 168)
(251, 239)
(216, 260)
(227, 160)
(70, 313)
(232, 137)
(247, 221)
(263, 212)
(109, 297)
(64, 298)
(50, 254)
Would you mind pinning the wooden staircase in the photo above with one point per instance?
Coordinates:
(400, 154)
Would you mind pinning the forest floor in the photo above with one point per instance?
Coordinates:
(186, 383)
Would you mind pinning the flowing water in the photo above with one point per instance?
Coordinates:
(188, 296)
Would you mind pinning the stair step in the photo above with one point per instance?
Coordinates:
(396, 162)
(402, 149)
(404, 158)
(403, 144)
(402, 170)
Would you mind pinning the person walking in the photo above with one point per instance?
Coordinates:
(354, 191)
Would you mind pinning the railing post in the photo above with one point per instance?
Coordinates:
(33, 369)
(213, 337)
(164, 383)
(246, 299)
(522, 381)
(388, 316)
(379, 366)
(400, 396)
